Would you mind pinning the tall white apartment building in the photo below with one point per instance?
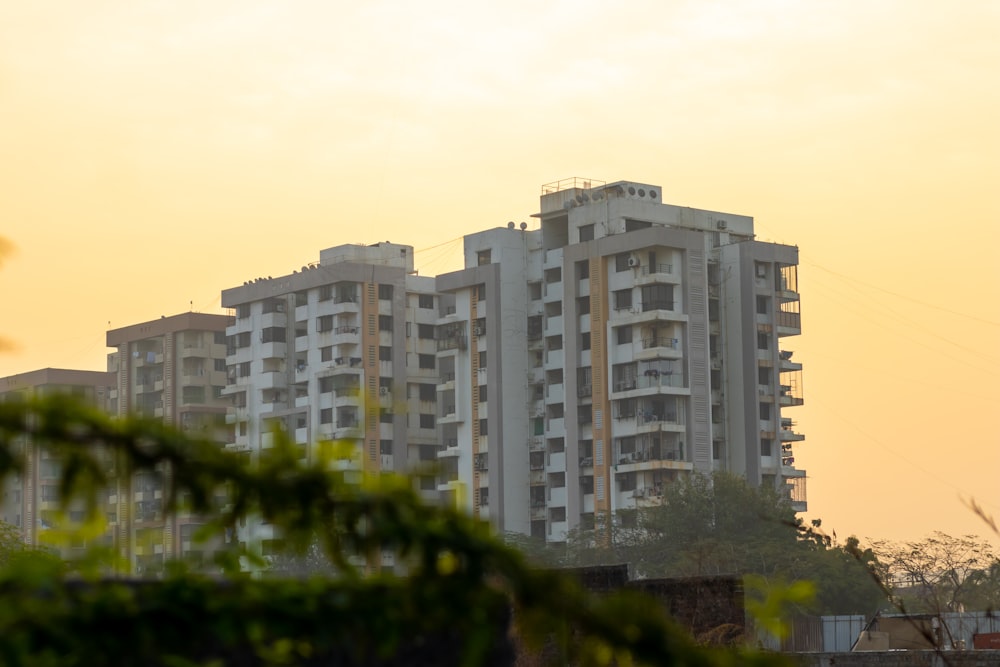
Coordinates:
(568, 372)
(343, 349)
(622, 344)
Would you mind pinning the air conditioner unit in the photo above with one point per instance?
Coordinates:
(721, 224)
(383, 391)
(478, 331)
(633, 261)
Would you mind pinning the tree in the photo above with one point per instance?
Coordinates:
(718, 524)
(941, 573)
(460, 579)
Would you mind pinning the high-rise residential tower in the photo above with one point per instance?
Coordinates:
(622, 344)
(566, 373)
(341, 350)
(173, 369)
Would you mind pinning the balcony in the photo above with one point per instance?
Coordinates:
(273, 319)
(449, 415)
(343, 365)
(653, 379)
(456, 342)
(627, 384)
(788, 435)
(651, 423)
(343, 334)
(447, 381)
(651, 311)
(786, 364)
(451, 450)
(347, 398)
(659, 272)
(344, 304)
(789, 324)
(659, 347)
(273, 350)
(195, 351)
(272, 380)
(786, 399)
(785, 291)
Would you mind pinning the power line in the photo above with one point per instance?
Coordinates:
(903, 296)
(915, 465)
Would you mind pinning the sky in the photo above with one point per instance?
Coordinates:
(154, 153)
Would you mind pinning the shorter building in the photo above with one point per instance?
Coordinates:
(173, 369)
(31, 501)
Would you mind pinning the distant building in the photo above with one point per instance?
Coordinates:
(31, 501)
(173, 369)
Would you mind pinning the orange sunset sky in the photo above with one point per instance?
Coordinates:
(154, 153)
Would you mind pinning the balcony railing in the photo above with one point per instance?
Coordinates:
(657, 268)
(660, 341)
(652, 454)
(626, 384)
(452, 343)
(789, 320)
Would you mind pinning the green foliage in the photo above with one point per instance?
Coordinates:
(772, 602)
(719, 525)
(459, 584)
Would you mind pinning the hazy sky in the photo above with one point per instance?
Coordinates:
(154, 153)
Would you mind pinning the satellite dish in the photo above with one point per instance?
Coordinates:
(631, 190)
(524, 226)
(510, 225)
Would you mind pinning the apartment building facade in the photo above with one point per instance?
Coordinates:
(342, 351)
(174, 369)
(622, 344)
(567, 373)
(31, 500)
